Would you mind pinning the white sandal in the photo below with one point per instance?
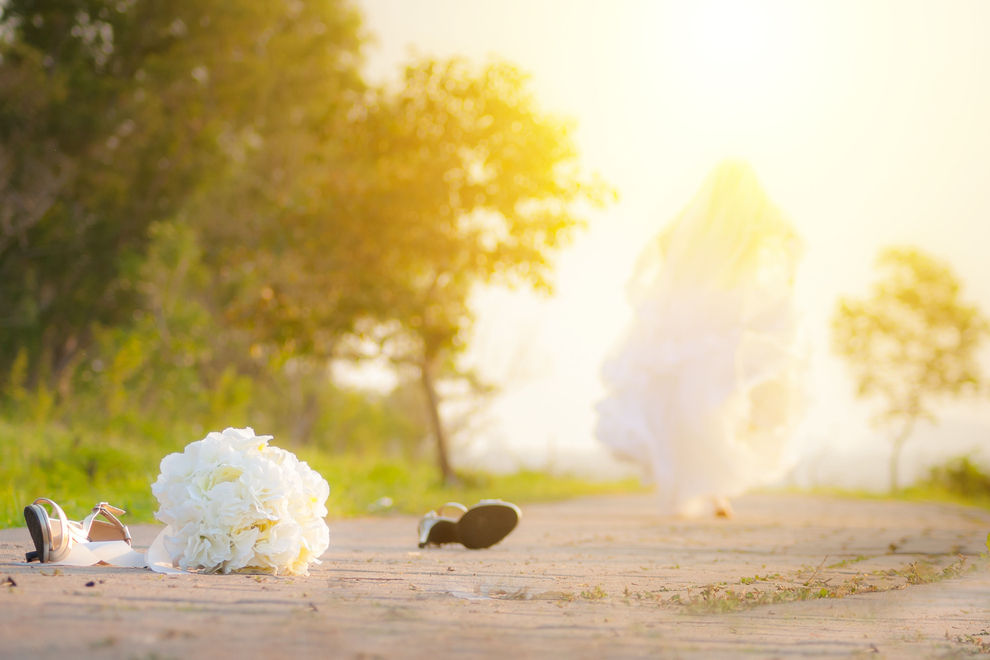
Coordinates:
(55, 538)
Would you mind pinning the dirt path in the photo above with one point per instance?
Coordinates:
(787, 576)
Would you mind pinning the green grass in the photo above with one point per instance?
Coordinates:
(916, 493)
(958, 481)
(77, 469)
(356, 483)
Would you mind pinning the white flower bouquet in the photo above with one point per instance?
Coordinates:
(233, 503)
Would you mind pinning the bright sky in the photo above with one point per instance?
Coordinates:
(867, 122)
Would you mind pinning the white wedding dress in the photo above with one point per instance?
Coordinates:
(703, 392)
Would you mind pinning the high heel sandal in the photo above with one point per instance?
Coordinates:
(55, 538)
(481, 526)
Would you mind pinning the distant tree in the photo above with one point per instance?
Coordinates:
(912, 341)
(470, 184)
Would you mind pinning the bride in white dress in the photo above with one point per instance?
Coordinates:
(703, 392)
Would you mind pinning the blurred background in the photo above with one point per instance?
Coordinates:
(865, 122)
(396, 235)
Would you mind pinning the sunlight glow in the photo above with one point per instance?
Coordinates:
(865, 122)
(735, 54)
(728, 43)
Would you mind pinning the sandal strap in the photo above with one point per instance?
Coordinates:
(109, 508)
(108, 511)
(66, 532)
(443, 512)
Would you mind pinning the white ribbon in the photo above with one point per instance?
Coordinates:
(157, 557)
(114, 553)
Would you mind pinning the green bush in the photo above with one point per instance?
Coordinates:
(960, 477)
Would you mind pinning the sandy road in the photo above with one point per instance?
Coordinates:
(604, 577)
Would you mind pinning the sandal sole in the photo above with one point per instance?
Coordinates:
(36, 519)
(485, 525)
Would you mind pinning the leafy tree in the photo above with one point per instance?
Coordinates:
(912, 341)
(470, 184)
(450, 179)
(116, 115)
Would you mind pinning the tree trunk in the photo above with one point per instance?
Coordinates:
(895, 455)
(894, 459)
(433, 407)
(306, 419)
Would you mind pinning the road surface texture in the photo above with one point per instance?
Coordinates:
(787, 576)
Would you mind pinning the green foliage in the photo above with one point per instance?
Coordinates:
(123, 114)
(204, 205)
(961, 476)
(471, 184)
(912, 341)
(914, 337)
(959, 480)
(594, 594)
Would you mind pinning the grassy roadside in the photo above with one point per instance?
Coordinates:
(358, 486)
(78, 469)
(917, 493)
